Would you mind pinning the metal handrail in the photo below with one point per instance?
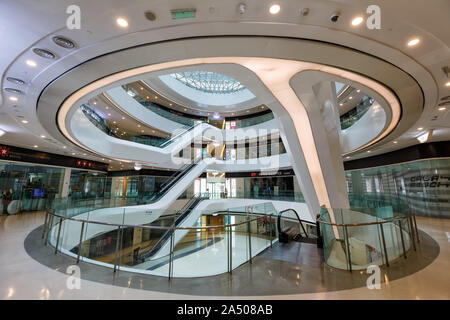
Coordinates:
(362, 224)
(298, 217)
(154, 227)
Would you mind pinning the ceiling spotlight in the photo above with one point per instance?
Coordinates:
(274, 9)
(347, 157)
(358, 90)
(25, 121)
(424, 137)
(142, 131)
(139, 125)
(442, 108)
(420, 128)
(156, 97)
(109, 114)
(35, 146)
(73, 153)
(395, 142)
(350, 98)
(95, 102)
(123, 118)
(13, 98)
(137, 166)
(341, 104)
(42, 136)
(15, 80)
(413, 42)
(44, 53)
(447, 84)
(64, 147)
(368, 151)
(142, 88)
(2, 132)
(31, 63)
(170, 104)
(114, 122)
(122, 22)
(357, 21)
(63, 42)
(241, 8)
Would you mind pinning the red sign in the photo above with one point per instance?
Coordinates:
(84, 164)
(4, 151)
(253, 174)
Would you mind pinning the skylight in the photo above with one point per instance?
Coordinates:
(209, 82)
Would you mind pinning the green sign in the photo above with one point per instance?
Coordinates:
(183, 14)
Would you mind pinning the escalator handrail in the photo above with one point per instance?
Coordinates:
(298, 217)
(162, 145)
(189, 207)
(172, 182)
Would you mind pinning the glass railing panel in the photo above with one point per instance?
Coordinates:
(352, 116)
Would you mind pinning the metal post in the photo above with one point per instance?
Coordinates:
(401, 237)
(117, 249)
(59, 232)
(229, 250)
(384, 244)
(249, 241)
(271, 234)
(411, 227)
(48, 229)
(45, 224)
(348, 248)
(171, 255)
(415, 227)
(81, 240)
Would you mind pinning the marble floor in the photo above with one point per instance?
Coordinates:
(23, 277)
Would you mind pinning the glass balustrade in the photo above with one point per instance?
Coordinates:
(355, 238)
(205, 242)
(352, 116)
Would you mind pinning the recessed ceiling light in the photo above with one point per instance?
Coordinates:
(114, 122)
(350, 98)
(12, 90)
(95, 102)
(13, 98)
(24, 121)
(358, 90)
(31, 63)
(84, 154)
(122, 22)
(347, 157)
(420, 128)
(35, 146)
(368, 151)
(156, 97)
(142, 131)
(2, 132)
(63, 42)
(413, 42)
(42, 136)
(15, 80)
(442, 108)
(64, 147)
(395, 141)
(341, 104)
(44, 53)
(357, 21)
(73, 153)
(447, 84)
(139, 125)
(109, 114)
(274, 9)
(123, 118)
(170, 104)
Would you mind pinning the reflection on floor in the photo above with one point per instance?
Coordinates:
(35, 272)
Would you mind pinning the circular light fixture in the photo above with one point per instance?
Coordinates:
(274, 9)
(109, 114)
(24, 121)
(368, 151)
(395, 142)
(447, 84)
(13, 98)
(44, 53)
(31, 63)
(150, 15)
(63, 42)
(442, 108)
(357, 21)
(15, 80)
(122, 22)
(123, 118)
(358, 90)
(420, 128)
(35, 146)
(413, 42)
(137, 166)
(347, 157)
(350, 98)
(42, 136)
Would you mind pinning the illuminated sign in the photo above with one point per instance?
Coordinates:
(179, 14)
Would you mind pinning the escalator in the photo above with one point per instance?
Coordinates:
(292, 228)
(184, 213)
(172, 180)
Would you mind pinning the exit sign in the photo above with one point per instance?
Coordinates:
(179, 14)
